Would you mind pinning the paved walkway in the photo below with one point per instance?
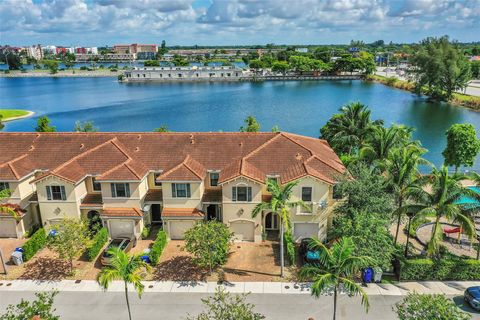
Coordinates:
(399, 289)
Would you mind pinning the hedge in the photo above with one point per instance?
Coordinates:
(157, 248)
(98, 243)
(36, 242)
(443, 269)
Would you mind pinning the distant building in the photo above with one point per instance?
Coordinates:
(35, 52)
(106, 57)
(61, 50)
(49, 50)
(301, 50)
(185, 74)
(142, 51)
(80, 50)
(92, 50)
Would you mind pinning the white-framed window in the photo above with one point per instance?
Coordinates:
(214, 179)
(307, 194)
(120, 190)
(181, 190)
(56, 193)
(273, 179)
(242, 194)
(4, 185)
(96, 186)
(155, 182)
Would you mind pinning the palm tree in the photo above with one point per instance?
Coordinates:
(280, 204)
(401, 169)
(336, 269)
(126, 268)
(439, 195)
(348, 131)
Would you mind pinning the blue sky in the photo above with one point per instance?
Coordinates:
(223, 22)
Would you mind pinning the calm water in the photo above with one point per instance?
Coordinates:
(299, 107)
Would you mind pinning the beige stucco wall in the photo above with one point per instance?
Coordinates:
(242, 210)
(196, 191)
(132, 202)
(143, 188)
(21, 190)
(89, 185)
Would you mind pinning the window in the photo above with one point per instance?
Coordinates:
(214, 179)
(307, 194)
(96, 185)
(181, 190)
(243, 194)
(157, 183)
(120, 190)
(56, 193)
(272, 179)
(4, 186)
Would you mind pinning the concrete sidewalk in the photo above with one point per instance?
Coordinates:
(399, 289)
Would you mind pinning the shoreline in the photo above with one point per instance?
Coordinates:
(62, 74)
(28, 115)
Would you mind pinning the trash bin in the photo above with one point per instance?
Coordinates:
(367, 275)
(19, 249)
(145, 258)
(377, 274)
(17, 258)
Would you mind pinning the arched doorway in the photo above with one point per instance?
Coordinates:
(94, 221)
(271, 221)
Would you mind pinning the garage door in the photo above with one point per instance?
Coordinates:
(178, 228)
(305, 230)
(121, 228)
(243, 230)
(8, 228)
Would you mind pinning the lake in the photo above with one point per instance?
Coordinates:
(299, 107)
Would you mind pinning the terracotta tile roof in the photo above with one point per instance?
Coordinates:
(154, 195)
(181, 156)
(182, 212)
(212, 195)
(92, 200)
(266, 197)
(19, 212)
(122, 212)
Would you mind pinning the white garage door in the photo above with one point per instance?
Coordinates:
(305, 230)
(8, 228)
(121, 228)
(243, 230)
(178, 228)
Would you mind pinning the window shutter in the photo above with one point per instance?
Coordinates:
(188, 190)
(49, 193)
(62, 191)
(249, 194)
(234, 193)
(127, 189)
(114, 193)
(174, 191)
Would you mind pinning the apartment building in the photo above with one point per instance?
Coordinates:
(130, 180)
(35, 52)
(165, 74)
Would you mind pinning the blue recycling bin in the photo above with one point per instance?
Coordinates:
(18, 249)
(367, 275)
(145, 258)
(52, 233)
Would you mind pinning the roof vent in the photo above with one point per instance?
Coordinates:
(31, 148)
(192, 141)
(139, 137)
(298, 156)
(82, 146)
(137, 149)
(241, 144)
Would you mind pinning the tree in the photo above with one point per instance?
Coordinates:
(13, 60)
(417, 306)
(439, 68)
(124, 267)
(475, 68)
(86, 126)
(162, 128)
(1, 123)
(251, 125)
(209, 243)
(280, 66)
(368, 62)
(442, 200)
(43, 125)
(280, 204)
(71, 239)
(462, 146)
(256, 64)
(41, 308)
(51, 65)
(226, 306)
(179, 61)
(349, 130)
(276, 128)
(337, 268)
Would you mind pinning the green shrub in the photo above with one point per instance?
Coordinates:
(290, 247)
(146, 232)
(443, 269)
(157, 248)
(98, 242)
(37, 242)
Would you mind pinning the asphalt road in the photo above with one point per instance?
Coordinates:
(166, 306)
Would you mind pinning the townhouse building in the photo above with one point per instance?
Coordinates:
(130, 180)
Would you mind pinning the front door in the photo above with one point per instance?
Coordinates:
(156, 213)
(271, 221)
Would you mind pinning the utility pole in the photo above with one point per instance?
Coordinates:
(3, 262)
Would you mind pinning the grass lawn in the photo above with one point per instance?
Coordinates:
(5, 114)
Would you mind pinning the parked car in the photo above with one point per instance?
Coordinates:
(308, 255)
(472, 296)
(124, 243)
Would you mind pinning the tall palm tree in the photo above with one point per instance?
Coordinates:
(280, 204)
(348, 131)
(440, 195)
(126, 268)
(336, 270)
(401, 170)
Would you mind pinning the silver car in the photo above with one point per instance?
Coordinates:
(124, 243)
